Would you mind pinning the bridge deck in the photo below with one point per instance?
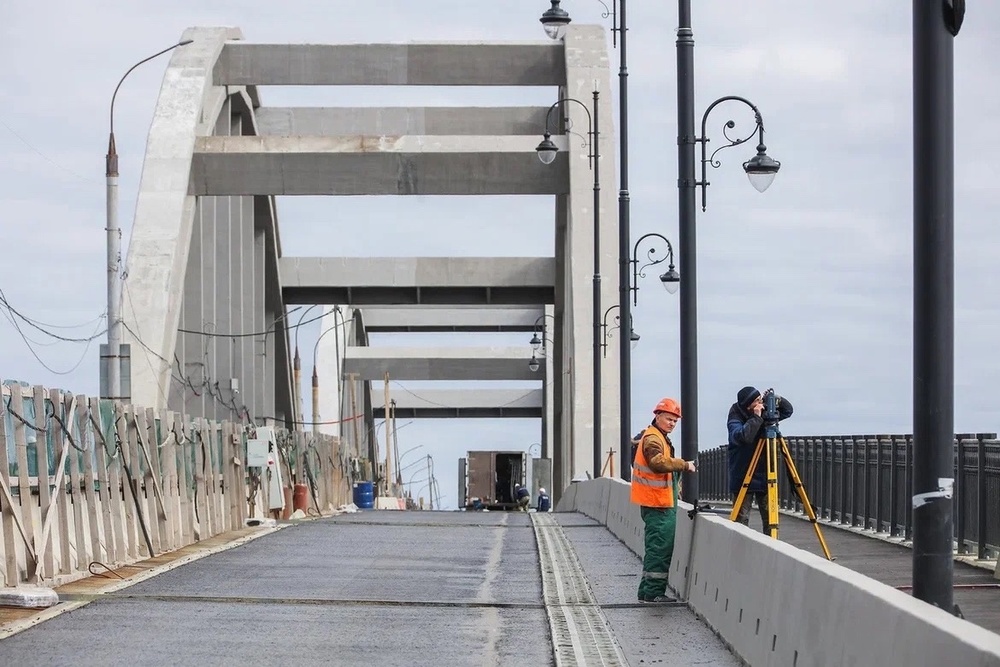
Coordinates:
(387, 588)
(977, 593)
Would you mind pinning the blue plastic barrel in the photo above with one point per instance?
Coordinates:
(364, 495)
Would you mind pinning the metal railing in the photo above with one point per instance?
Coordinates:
(865, 481)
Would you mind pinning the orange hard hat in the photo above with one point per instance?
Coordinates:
(668, 405)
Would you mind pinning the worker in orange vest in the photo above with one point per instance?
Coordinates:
(655, 488)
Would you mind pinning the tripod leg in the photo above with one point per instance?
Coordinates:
(741, 497)
(801, 490)
(772, 487)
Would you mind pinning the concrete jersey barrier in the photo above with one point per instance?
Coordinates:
(775, 604)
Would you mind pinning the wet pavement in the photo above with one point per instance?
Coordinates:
(383, 588)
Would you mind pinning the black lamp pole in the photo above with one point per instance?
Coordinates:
(624, 236)
(686, 242)
(547, 153)
(761, 169)
(933, 297)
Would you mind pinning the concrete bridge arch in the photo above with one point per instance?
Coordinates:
(208, 289)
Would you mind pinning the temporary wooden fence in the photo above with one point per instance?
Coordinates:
(85, 480)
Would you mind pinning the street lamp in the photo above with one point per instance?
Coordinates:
(547, 153)
(633, 337)
(535, 341)
(760, 169)
(670, 279)
(114, 243)
(554, 21)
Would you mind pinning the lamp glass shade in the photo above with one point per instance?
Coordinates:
(535, 342)
(555, 31)
(761, 182)
(671, 280)
(634, 340)
(547, 150)
(761, 170)
(533, 365)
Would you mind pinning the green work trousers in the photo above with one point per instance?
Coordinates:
(659, 546)
(659, 550)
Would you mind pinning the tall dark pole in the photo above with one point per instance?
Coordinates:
(624, 233)
(933, 297)
(595, 141)
(686, 239)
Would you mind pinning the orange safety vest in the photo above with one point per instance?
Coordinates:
(649, 488)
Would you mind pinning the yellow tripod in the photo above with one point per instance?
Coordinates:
(770, 442)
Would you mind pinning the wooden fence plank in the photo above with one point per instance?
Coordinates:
(144, 478)
(204, 524)
(135, 465)
(240, 472)
(90, 495)
(154, 445)
(185, 473)
(70, 522)
(11, 513)
(107, 477)
(212, 459)
(77, 501)
(168, 458)
(122, 428)
(45, 503)
(24, 495)
(228, 492)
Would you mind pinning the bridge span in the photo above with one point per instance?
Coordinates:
(482, 588)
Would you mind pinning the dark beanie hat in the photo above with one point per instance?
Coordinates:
(746, 396)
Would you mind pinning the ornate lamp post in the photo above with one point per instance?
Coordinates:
(547, 154)
(761, 170)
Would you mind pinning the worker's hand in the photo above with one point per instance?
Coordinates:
(690, 467)
(758, 408)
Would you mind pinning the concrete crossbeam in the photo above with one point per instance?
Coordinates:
(395, 121)
(422, 363)
(375, 165)
(439, 64)
(429, 319)
(461, 403)
(418, 280)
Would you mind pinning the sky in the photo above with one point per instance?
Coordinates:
(807, 288)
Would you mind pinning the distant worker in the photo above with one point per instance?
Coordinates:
(544, 504)
(523, 497)
(655, 489)
(745, 424)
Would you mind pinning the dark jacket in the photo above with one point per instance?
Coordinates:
(544, 504)
(745, 429)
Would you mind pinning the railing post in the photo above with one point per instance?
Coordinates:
(879, 495)
(842, 513)
(908, 487)
(866, 452)
(961, 493)
(893, 489)
(855, 473)
(828, 476)
(981, 498)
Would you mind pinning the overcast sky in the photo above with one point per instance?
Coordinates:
(807, 288)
